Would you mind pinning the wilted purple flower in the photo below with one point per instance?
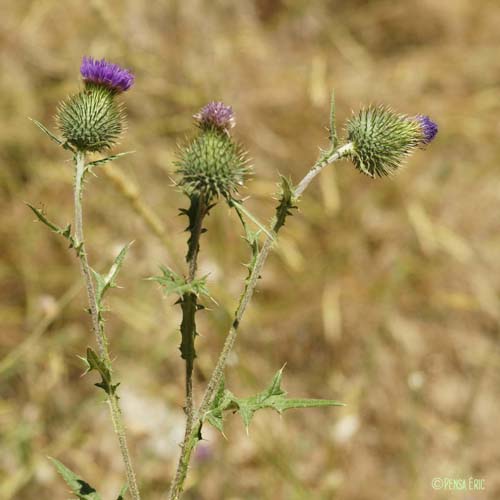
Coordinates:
(105, 73)
(429, 128)
(216, 114)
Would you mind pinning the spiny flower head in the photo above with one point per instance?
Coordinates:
(382, 139)
(215, 115)
(92, 119)
(213, 164)
(102, 72)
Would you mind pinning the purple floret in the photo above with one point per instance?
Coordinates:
(429, 128)
(216, 114)
(105, 73)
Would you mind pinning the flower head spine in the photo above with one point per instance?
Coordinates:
(102, 72)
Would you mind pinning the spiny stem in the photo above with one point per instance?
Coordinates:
(199, 208)
(216, 377)
(97, 327)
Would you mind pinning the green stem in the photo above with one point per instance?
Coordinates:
(216, 377)
(197, 211)
(97, 327)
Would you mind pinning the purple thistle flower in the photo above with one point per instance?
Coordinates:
(105, 73)
(429, 128)
(216, 114)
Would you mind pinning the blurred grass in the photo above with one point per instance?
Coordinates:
(382, 294)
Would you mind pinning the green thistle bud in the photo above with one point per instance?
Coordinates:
(91, 120)
(212, 165)
(382, 139)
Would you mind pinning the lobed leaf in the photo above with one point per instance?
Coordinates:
(273, 397)
(173, 283)
(286, 203)
(94, 362)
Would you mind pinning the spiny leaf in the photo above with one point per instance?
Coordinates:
(66, 232)
(53, 137)
(94, 362)
(173, 283)
(104, 283)
(78, 486)
(107, 159)
(273, 397)
(333, 129)
(242, 210)
(286, 203)
(121, 495)
(215, 416)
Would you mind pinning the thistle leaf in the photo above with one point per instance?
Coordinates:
(333, 129)
(107, 159)
(66, 232)
(94, 362)
(243, 211)
(104, 283)
(215, 416)
(121, 495)
(286, 203)
(46, 131)
(273, 397)
(173, 283)
(78, 486)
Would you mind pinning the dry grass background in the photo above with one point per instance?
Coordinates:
(382, 294)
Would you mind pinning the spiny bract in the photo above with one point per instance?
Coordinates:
(212, 165)
(91, 120)
(382, 140)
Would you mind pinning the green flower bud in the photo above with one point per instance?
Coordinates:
(382, 140)
(212, 165)
(91, 120)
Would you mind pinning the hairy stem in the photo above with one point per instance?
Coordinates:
(97, 327)
(216, 377)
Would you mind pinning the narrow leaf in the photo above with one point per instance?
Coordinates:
(66, 232)
(46, 131)
(215, 416)
(282, 404)
(333, 128)
(121, 495)
(244, 211)
(109, 279)
(41, 217)
(78, 486)
(103, 161)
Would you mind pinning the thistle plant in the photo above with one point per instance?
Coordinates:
(91, 121)
(211, 168)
